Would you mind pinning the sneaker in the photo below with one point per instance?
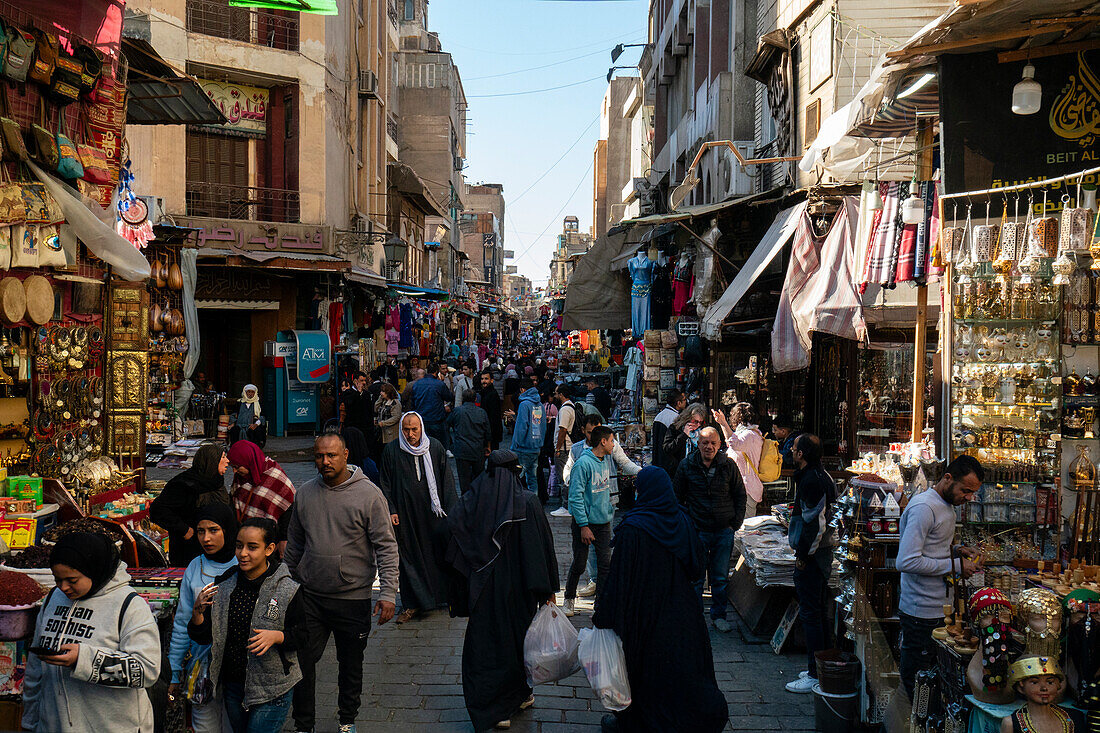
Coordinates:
(503, 725)
(527, 703)
(587, 591)
(569, 603)
(560, 512)
(802, 686)
(803, 675)
(724, 626)
(347, 728)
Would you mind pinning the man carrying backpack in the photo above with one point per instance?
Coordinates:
(755, 459)
(568, 430)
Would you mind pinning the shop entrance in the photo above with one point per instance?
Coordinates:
(226, 348)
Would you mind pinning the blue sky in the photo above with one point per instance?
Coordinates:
(514, 139)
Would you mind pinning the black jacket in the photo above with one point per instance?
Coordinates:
(673, 447)
(814, 493)
(603, 402)
(712, 503)
(471, 431)
(489, 401)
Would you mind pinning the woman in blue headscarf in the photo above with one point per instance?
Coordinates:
(649, 599)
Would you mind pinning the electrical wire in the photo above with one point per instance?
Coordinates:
(555, 163)
(536, 91)
(558, 214)
(536, 68)
(639, 31)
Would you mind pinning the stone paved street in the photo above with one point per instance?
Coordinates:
(413, 679)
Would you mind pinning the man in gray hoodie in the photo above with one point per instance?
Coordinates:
(339, 536)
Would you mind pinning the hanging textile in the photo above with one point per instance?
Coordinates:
(819, 292)
(883, 248)
(406, 326)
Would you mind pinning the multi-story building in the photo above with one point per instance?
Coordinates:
(431, 108)
(572, 245)
(283, 194)
(482, 234)
(612, 156)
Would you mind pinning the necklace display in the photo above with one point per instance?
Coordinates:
(1023, 717)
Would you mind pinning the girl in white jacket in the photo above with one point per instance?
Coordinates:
(104, 649)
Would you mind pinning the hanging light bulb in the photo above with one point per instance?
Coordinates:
(912, 211)
(874, 197)
(1027, 95)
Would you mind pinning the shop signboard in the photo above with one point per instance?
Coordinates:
(986, 145)
(301, 405)
(245, 107)
(239, 235)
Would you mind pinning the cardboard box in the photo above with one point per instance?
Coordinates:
(18, 506)
(25, 487)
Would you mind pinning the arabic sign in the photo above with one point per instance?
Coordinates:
(244, 106)
(987, 146)
(257, 236)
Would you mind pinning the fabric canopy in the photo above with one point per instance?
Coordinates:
(321, 7)
(598, 298)
(778, 234)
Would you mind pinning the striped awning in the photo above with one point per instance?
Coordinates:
(896, 116)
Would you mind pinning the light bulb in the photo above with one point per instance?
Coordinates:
(912, 211)
(1027, 95)
(875, 199)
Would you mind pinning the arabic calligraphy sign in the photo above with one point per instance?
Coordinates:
(985, 145)
(244, 106)
(257, 236)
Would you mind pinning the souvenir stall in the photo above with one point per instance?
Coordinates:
(167, 418)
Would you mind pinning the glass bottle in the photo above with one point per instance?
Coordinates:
(1082, 472)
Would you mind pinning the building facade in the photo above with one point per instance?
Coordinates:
(612, 156)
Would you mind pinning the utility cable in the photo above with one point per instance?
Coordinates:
(536, 91)
(560, 159)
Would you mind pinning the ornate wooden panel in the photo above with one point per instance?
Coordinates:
(127, 372)
(128, 322)
(125, 434)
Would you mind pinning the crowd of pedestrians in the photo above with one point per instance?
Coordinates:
(273, 571)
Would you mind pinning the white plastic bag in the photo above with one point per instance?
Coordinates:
(601, 654)
(550, 647)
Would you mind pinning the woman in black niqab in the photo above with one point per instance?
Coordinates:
(649, 600)
(175, 508)
(503, 567)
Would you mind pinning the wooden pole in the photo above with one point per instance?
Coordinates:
(925, 136)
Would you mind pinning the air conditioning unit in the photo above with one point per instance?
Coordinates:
(734, 179)
(460, 163)
(368, 84)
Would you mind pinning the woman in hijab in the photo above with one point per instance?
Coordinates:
(260, 488)
(249, 425)
(104, 651)
(415, 475)
(216, 532)
(501, 550)
(387, 413)
(174, 509)
(649, 600)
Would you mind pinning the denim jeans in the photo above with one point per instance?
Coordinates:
(593, 569)
(918, 649)
(602, 546)
(560, 460)
(268, 717)
(717, 547)
(530, 463)
(810, 585)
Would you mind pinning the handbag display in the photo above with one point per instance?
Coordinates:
(38, 206)
(68, 158)
(13, 146)
(65, 82)
(91, 60)
(46, 49)
(47, 237)
(12, 209)
(24, 247)
(92, 158)
(41, 143)
(19, 53)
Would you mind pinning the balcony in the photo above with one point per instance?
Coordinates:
(248, 203)
(271, 28)
(392, 128)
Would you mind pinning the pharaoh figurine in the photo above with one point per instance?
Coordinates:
(990, 612)
(1040, 682)
(1039, 619)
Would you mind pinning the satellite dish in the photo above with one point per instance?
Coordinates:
(680, 192)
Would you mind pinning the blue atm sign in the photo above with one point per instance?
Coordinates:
(314, 357)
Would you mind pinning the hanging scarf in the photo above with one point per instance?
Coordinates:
(254, 400)
(423, 452)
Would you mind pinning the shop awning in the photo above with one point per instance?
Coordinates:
(413, 291)
(597, 297)
(690, 212)
(778, 234)
(238, 305)
(157, 95)
(463, 311)
(406, 182)
(366, 277)
(297, 261)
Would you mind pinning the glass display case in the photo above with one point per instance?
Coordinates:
(884, 408)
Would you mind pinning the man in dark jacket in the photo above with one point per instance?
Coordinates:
(431, 398)
(809, 536)
(600, 398)
(470, 439)
(708, 485)
(489, 400)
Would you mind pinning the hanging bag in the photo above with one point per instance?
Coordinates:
(41, 143)
(65, 83)
(91, 61)
(68, 158)
(45, 57)
(13, 146)
(92, 158)
(601, 654)
(11, 216)
(19, 53)
(550, 647)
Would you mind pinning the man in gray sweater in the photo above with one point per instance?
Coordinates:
(924, 559)
(339, 536)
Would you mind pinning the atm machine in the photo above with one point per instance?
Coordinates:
(296, 364)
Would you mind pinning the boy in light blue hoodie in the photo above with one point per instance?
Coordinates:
(590, 505)
(528, 435)
(216, 532)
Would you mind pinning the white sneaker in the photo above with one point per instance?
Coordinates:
(587, 591)
(724, 626)
(569, 611)
(450, 455)
(560, 512)
(803, 675)
(801, 686)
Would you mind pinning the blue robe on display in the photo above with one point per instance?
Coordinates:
(641, 270)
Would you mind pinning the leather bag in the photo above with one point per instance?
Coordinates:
(46, 49)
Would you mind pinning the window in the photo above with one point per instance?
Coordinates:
(410, 9)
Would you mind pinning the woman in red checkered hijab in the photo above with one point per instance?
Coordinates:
(260, 488)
